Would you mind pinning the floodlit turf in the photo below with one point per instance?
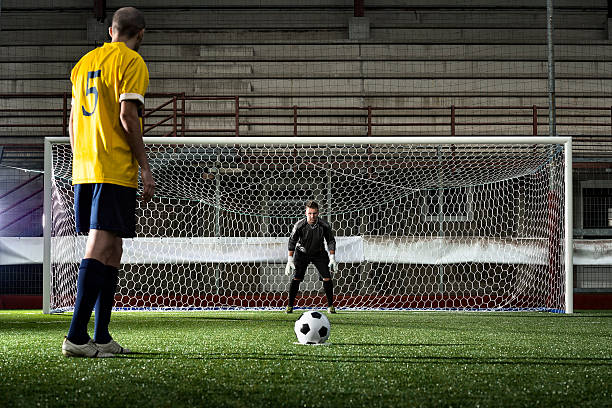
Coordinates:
(374, 359)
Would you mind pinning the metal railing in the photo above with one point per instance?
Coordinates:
(170, 117)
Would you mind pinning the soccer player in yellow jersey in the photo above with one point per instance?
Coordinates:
(108, 87)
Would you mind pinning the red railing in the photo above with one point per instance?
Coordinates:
(170, 117)
(371, 117)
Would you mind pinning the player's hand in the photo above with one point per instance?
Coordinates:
(148, 184)
(333, 265)
(290, 267)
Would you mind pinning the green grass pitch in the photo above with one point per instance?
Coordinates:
(374, 359)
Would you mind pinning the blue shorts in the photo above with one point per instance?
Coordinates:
(105, 206)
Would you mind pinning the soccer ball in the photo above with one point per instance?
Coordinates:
(312, 328)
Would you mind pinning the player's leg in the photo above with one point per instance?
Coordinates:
(96, 211)
(321, 262)
(102, 246)
(301, 263)
(91, 271)
(328, 286)
(104, 308)
(92, 277)
(91, 280)
(106, 298)
(118, 214)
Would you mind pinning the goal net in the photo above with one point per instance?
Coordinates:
(420, 223)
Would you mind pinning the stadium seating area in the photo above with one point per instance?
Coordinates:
(301, 54)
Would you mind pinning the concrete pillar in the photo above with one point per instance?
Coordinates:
(97, 31)
(359, 28)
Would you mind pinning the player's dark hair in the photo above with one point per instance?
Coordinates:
(312, 204)
(128, 21)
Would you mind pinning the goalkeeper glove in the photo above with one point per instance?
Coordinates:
(333, 265)
(290, 266)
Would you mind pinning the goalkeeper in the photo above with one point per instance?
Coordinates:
(305, 247)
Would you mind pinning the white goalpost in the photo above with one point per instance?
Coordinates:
(432, 223)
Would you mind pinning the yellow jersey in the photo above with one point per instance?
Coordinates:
(101, 80)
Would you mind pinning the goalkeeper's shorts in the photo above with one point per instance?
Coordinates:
(320, 261)
(105, 206)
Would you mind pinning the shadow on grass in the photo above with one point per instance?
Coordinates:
(365, 356)
(248, 356)
(377, 358)
(402, 344)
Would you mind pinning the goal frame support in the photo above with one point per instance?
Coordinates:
(457, 140)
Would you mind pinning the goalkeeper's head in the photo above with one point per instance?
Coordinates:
(312, 212)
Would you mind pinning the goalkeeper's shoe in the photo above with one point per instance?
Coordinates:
(331, 310)
(113, 347)
(289, 309)
(89, 349)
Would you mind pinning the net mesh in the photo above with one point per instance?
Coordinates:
(433, 226)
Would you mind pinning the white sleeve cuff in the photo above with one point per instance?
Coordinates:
(131, 97)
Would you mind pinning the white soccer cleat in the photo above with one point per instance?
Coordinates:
(113, 347)
(89, 349)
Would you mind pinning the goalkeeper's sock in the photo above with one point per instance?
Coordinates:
(293, 290)
(329, 291)
(89, 283)
(104, 305)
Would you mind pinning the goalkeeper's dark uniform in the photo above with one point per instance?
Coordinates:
(307, 242)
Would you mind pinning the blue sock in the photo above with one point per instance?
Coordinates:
(91, 274)
(104, 305)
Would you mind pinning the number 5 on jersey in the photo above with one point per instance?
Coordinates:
(91, 75)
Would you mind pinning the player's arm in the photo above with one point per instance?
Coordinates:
(130, 122)
(293, 239)
(331, 247)
(290, 267)
(328, 234)
(70, 130)
(73, 75)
